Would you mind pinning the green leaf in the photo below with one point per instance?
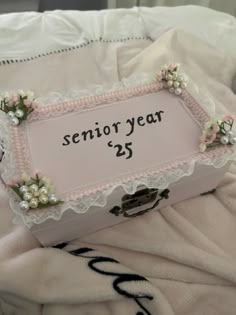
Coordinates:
(16, 190)
(9, 109)
(30, 110)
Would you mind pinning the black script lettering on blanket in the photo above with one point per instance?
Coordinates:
(119, 278)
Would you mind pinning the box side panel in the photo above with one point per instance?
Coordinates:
(72, 225)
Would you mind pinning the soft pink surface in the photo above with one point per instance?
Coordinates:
(72, 226)
(187, 251)
(79, 166)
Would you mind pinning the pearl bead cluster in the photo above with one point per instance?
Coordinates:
(171, 79)
(14, 117)
(35, 193)
(33, 197)
(17, 107)
(217, 132)
(228, 138)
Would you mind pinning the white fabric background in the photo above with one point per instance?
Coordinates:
(228, 6)
(21, 33)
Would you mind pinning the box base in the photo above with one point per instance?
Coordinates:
(121, 206)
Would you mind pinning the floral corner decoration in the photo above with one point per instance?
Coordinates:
(171, 79)
(35, 192)
(217, 131)
(17, 107)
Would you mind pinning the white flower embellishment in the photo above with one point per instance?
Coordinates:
(17, 107)
(171, 79)
(217, 131)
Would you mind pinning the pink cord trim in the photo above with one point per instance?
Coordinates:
(18, 133)
(96, 100)
(125, 179)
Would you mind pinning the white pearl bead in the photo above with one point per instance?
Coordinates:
(183, 85)
(15, 121)
(230, 133)
(24, 189)
(232, 140)
(224, 140)
(11, 114)
(27, 196)
(43, 199)
(21, 92)
(203, 147)
(178, 91)
(34, 188)
(36, 194)
(43, 190)
(175, 76)
(19, 113)
(171, 90)
(176, 84)
(53, 199)
(182, 77)
(34, 203)
(169, 83)
(24, 205)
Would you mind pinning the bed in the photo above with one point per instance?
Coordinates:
(179, 260)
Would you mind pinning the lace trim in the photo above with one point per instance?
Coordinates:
(199, 93)
(115, 95)
(217, 158)
(161, 181)
(94, 90)
(22, 152)
(88, 102)
(8, 164)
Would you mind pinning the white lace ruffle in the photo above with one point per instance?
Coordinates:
(75, 93)
(160, 180)
(199, 93)
(7, 165)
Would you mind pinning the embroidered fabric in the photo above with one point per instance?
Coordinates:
(160, 180)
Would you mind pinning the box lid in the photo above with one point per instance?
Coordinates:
(131, 136)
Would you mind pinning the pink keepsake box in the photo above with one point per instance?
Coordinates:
(110, 157)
